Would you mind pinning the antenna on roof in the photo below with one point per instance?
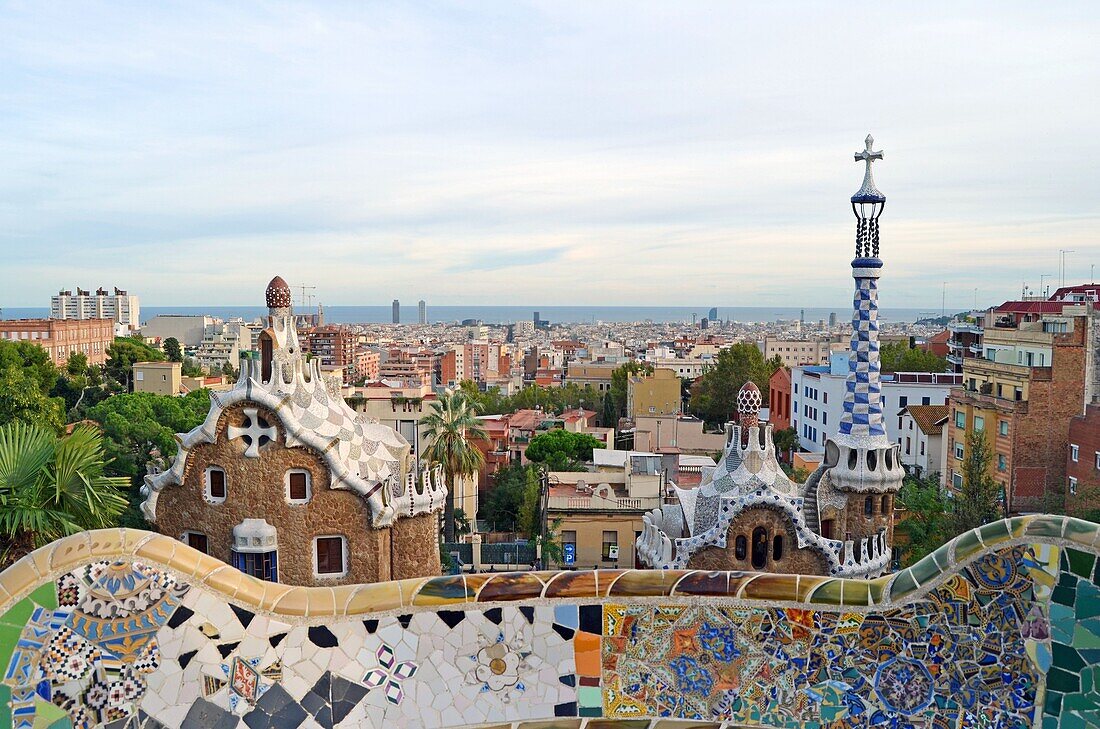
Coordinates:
(305, 299)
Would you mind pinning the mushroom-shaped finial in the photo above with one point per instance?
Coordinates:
(278, 294)
(748, 404)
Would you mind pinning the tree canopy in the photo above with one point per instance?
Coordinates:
(172, 349)
(562, 450)
(898, 357)
(121, 356)
(714, 395)
(550, 399)
(27, 380)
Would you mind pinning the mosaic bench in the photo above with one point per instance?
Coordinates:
(122, 628)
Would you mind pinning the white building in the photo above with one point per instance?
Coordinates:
(188, 330)
(921, 438)
(817, 398)
(119, 306)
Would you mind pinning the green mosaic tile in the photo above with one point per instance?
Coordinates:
(1053, 703)
(1064, 595)
(46, 596)
(1083, 637)
(829, 593)
(1072, 721)
(1080, 531)
(1088, 600)
(9, 636)
(1063, 681)
(5, 699)
(902, 585)
(995, 533)
(942, 556)
(18, 614)
(589, 696)
(1067, 658)
(925, 571)
(967, 546)
(1049, 527)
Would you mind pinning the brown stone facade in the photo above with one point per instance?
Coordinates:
(255, 488)
(1082, 457)
(769, 523)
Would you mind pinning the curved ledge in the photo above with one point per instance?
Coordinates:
(158, 550)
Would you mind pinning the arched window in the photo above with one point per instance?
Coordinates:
(869, 506)
(298, 486)
(740, 547)
(827, 528)
(267, 346)
(777, 547)
(759, 548)
(886, 504)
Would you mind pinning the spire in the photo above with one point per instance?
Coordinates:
(748, 405)
(278, 294)
(862, 420)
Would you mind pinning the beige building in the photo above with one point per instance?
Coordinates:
(161, 378)
(601, 513)
(682, 433)
(795, 352)
(656, 394)
(597, 376)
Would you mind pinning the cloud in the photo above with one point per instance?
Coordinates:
(602, 153)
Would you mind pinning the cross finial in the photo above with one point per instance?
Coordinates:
(867, 155)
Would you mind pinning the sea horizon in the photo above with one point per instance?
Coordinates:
(510, 314)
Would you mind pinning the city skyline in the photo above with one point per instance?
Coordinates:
(548, 153)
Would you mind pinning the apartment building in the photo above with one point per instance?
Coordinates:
(161, 378)
(411, 367)
(779, 399)
(817, 398)
(655, 394)
(480, 361)
(1083, 463)
(187, 329)
(116, 305)
(795, 352)
(338, 347)
(1022, 394)
(594, 374)
(62, 338)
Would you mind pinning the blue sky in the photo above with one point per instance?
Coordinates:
(554, 153)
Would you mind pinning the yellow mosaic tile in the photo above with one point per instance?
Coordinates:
(646, 583)
(250, 592)
(320, 601)
(158, 550)
(374, 598)
(106, 543)
(807, 584)
(294, 602)
(223, 580)
(192, 562)
(67, 553)
(444, 590)
(20, 577)
(273, 592)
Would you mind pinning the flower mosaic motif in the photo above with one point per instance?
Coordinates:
(390, 673)
(499, 666)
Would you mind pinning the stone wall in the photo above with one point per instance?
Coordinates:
(255, 489)
(792, 560)
(996, 629)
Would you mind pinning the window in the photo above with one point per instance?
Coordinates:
(922, 447)
(1002, 427)
(298, 484)
(903, 400)
(1002, 463)
(611, 546)
(957, 480)
(759, 548)
(908, 444)
(196, 540)
(824, 418)
(825, 398)
(960, 419)
(1098, 460)
(869, 506)
(261, 565)
(330, 557)
(1074, 452)
(926, 401)
(979, 423)
(777, 547)
(215, 485)
(1072, 486)
(886, 504)
(740, 547)
(958, 451)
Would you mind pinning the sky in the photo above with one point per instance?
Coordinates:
(555, 153)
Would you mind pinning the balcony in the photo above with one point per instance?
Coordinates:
(954, 359)
(964, 326)
(989, 401)
(596, 503)
(975, 349)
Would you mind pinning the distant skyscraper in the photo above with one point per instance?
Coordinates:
(713, 313)
(802, 316)
(832, 320)
(396, 311)
(422, 312)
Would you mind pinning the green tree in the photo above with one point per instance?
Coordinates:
(121, 356)
(51, 487)
(450, 427)
(33, 360)
(926, 522)
(562, 450)
(501, 505)
(714, 394)
(140, 427)
(191, 368)
(22, 400)
(785, 441)
(978, 501)
(172, 349)
(898, 357)
(80, 386)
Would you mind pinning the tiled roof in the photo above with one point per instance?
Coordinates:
(929, 418)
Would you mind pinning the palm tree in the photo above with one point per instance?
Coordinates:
(451, 425)
(51, 487)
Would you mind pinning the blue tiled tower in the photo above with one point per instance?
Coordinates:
(862, 417)
(862, 471)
